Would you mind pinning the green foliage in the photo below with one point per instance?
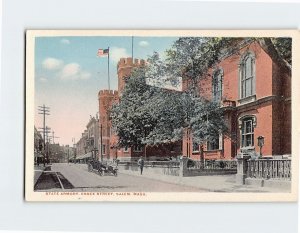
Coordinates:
(207, 121)
(191, 57)
(283, 45)
(148, 115)
(133, 117)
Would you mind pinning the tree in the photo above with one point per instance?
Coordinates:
(170, 114)
(207, 121)
(191, 57)
(147, 115)
(280, 50)
(132, 117)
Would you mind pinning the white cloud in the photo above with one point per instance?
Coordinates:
(65, 41)
(70, 70)
(73, 71)
(144, 43)
(52, 63)
(43, 80)
(117, 53)
(85, 75)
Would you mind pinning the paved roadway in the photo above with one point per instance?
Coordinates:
(83, 180)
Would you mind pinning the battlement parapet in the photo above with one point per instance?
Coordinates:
(125, 62)
(107, 93)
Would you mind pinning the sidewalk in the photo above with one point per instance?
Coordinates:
(218, 183)
(38, 170)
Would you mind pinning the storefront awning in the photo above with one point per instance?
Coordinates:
(87, 155)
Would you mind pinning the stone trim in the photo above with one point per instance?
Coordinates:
(240, 120)
(258, 101)
(247, 99)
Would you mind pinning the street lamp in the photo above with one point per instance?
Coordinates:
(260, 143)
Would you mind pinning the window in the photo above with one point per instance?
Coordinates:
(217, 83)
(195, 147)
(247, 132)
(214, 144)
(138, 148)
(126, 149)
(247, 76)
(91, 142)
(103, 149)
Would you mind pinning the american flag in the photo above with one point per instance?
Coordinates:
(102, 52)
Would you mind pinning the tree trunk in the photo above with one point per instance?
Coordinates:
(269, 48)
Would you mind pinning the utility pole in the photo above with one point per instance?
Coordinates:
(43, 110)
(46, 131)
(48, 142)
(108, 69)
(101, 142)
(132, 47)
(74, 149)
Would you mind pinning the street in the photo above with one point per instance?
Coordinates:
(83, 180)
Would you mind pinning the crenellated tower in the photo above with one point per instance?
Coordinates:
(106, 100)
(125, 67)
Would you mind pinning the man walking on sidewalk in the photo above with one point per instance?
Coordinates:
(141, 164)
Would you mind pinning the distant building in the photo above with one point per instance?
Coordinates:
(38, 146)
(92, 134)
(88, 146)
(81, 145)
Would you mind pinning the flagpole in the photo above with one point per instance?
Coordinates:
(108, 69)
(132, 47)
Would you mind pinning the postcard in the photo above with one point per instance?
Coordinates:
(162, 115)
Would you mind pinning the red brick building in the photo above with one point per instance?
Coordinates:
(253, 90)
(256, 95)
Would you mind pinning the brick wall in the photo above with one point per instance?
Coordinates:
(272, 115)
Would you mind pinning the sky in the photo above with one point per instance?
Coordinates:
(69, 75)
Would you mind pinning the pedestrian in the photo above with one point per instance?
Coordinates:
(141, 164)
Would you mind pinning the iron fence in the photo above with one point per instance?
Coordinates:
(212, 164)
(163, 164)
(269, 169)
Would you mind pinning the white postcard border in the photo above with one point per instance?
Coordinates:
(30, 195)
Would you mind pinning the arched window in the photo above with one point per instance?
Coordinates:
(247, 75)
(217, 85)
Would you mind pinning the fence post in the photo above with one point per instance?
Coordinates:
(183, 166)
(241, 168)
